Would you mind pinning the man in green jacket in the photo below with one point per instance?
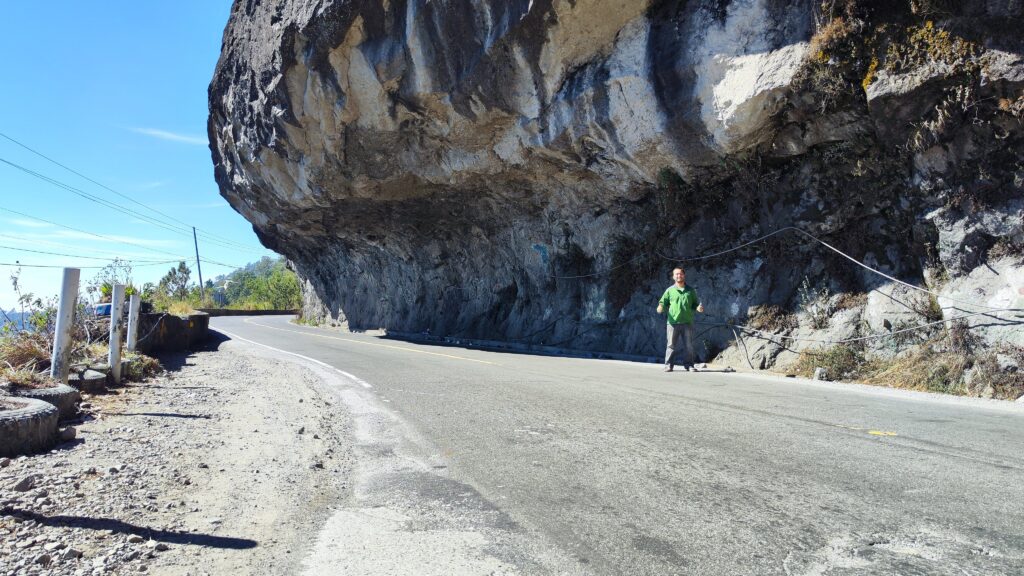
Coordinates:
(680, 301)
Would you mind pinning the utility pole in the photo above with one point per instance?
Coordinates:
(199, 267)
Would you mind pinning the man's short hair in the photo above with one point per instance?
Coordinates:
(680, 268)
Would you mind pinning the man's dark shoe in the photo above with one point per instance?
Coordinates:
(668, 368)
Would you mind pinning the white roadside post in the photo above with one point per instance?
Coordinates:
(116, 320)
(65, 318)
(133, 322)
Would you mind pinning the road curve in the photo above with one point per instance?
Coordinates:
(628, 470)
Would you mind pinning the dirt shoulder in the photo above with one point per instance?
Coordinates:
(223, 465)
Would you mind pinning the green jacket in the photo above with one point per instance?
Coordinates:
(681, 303)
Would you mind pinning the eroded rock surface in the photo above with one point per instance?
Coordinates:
(529, 170)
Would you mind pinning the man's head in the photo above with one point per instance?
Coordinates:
(679, 275)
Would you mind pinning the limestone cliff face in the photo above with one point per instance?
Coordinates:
(528, 169)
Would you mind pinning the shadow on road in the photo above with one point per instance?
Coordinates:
(167, 536)
(160, 415)
(175, 361)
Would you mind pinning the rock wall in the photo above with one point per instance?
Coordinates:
(531, 170)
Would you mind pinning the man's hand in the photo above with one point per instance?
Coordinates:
(660, 308)
(700, 308)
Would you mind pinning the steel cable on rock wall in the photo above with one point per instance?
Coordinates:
(990, 310)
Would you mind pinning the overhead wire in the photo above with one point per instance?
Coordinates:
(187, 232)
(992, 311)
(62, 246)
(101, 236)
(848, 257)
(72, 255)
(121, 241)
(209, 235)
(25, 265)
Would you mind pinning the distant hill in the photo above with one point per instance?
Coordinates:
(15, 317)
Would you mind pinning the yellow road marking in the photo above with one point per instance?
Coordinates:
(250, 321)
(881, 433)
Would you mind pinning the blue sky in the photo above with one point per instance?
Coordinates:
(115, 90)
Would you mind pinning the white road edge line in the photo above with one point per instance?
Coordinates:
(358, 380)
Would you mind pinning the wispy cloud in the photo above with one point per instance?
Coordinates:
(172, 136)
(108, 238)
(80, 245)
(28, 223)
(152, 185)
(86, 238)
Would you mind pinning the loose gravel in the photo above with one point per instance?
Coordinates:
(220, 466)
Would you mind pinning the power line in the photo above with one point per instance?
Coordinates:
(808, 235)
(91, 197)
(112, 205)
(844, 255)
(107, 238)
(72, 255)
(126, 197)
(23, 265)
(34, 241)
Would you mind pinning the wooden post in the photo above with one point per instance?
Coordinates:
(65, 319)
(133, 322)
(116, 321)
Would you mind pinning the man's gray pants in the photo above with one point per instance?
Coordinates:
(677, 332)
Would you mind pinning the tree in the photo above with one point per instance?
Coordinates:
(175, 282)
(117, 272)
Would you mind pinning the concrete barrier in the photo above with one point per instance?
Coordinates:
(170, 333)
(233, 312)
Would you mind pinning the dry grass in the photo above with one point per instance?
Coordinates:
(926, 306)
(141, 366)
(25, 350)
(180, 308)
(1005, 248)
(26, 378)
(840, 362)
(927, 368)
(851, 300)
(771, 319)
(827, 36)
(989, 378)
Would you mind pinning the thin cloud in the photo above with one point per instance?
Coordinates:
(28, 223)
(45, 242)
(108, 238)
(152, 185)
(172, 136)
(201, 206)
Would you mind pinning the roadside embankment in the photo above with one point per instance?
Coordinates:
(220, 466)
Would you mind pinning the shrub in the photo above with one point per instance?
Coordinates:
(989, 378)
(25, 350)
(841, 362)
(141, 366)
(927, 306)
(927, 368)
(850, 300)
(815, 301)
(26, 378)
(771, 319)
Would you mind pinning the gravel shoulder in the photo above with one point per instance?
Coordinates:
(226, 464)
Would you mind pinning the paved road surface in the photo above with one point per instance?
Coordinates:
(617, 468)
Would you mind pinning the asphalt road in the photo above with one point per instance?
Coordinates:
(624, 469)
